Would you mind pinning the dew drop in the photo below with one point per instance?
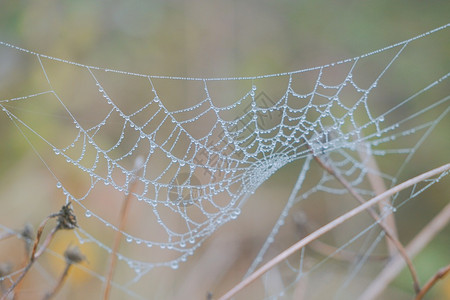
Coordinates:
(88, 214)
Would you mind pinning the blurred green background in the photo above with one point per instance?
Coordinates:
(217, 39)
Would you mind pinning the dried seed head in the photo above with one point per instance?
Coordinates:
(66, 218)
(73, 255)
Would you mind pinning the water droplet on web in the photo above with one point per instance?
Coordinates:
(129, 239)
(174, 265)
(88, 214)
(58, 185)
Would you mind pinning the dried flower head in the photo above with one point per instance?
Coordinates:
(66, 218)
(73, 255)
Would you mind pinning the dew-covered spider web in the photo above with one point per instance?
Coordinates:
(188, 153)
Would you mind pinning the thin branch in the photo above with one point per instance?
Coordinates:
(378, 186)
(32, 256)
(394, 267)
(115, 247)
(118, 236)
(375, 216)
(439, 275)
(66, 220)
(330, 226)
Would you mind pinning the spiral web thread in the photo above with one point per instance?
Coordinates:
(193, 181)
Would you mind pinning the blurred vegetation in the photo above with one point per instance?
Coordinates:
(217, 39)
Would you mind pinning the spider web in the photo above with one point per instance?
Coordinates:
(188, 158)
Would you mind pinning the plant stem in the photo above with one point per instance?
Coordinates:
(331, 225)
(118, 236)
(374, 215)
(394, 267)
(439, 275)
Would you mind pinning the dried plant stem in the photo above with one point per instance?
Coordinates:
(439, 275)
(72, 256)
(328, 227)
(394, 267)
(117, 239)
(375, 216)
(378, 186)
(59, 284)
(66, 220)
(34, 255)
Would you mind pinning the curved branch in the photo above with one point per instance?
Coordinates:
(328, 227)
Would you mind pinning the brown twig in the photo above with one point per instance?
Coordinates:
(66, 220)
(331, 225)
(439, 275)
(379, 187)
(118, 236)
(375, 216)
(394, 267)
(72, 256)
